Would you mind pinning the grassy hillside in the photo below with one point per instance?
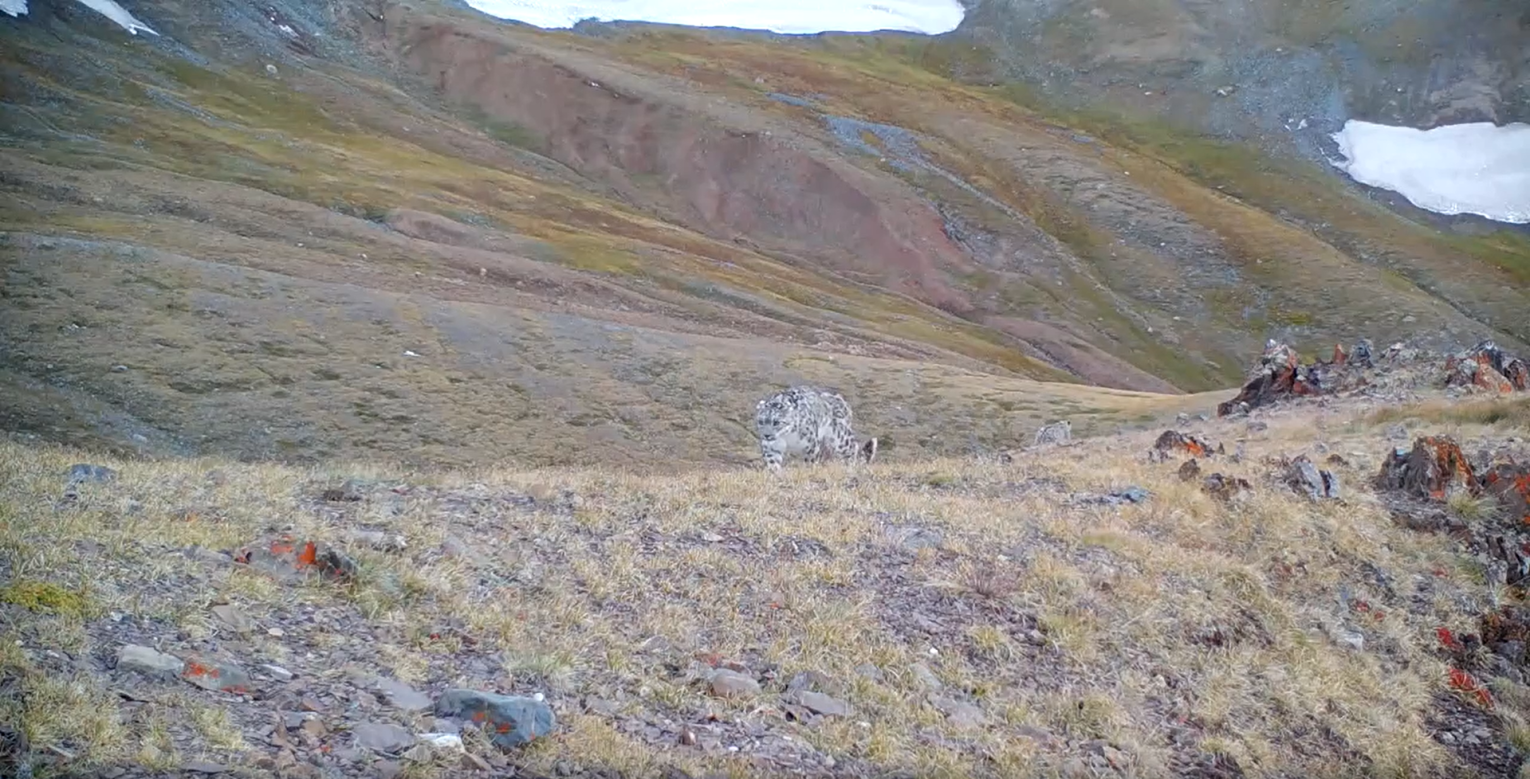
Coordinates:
(419, 233)
(951, 617)
(483, 311)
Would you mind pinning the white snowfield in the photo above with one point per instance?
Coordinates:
(1477, 168)
(791, 17)
(107, 8)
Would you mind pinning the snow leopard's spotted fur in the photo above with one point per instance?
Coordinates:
(811, 422)
(1055, 433)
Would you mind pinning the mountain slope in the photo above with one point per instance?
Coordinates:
(317, 230)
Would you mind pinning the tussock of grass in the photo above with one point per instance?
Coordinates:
(1087, 622)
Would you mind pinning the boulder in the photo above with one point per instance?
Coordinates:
(1273, 379)
(1279, 375)
(1362, 354)
(1433, 469)
(509, 720)
(1190, 470)
(1510, 484)
(1306, 478)
(1227, 489)
(1173, 442)
(1487, 367)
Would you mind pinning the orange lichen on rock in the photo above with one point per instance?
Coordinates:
(221, 677)
(1273, 378)
(1510, 484)
(284, 558)
(1518, 374)
(1279, 375)
(1175, 442)
(309, 555)
(1487, 367)
(1432, 469)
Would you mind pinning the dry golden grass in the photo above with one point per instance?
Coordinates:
(1511, 412)
(1085, 622)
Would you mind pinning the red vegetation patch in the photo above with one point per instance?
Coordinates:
(1465, 682)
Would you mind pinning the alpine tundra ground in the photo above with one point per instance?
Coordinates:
(1072, 611)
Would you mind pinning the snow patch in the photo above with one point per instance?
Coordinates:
(108, 8)
(790, 17)
(1477, 168)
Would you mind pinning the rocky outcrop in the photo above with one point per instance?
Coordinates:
(1432, 470)
(1488, 368)
(1304, 477)
(1174, 443)
(1279, 376)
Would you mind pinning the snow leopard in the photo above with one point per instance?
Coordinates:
(1055, 433)
(814, 423)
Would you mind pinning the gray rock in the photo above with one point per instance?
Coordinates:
(1350, 638)
(217, 675)
(382, 737)
(726, 683)
(1306, 478)
(1075, 768)
(914, 538)
(869, 671)
(234, 618)
(377, 539)
(279, 673)
(510, 720)
(925, 676)
(811, 680)
(1514, 651)
(823, 704)
(1041, 736)
(1121, 497)
(149, 662)
(1331, 485)
(400, 695)
(1133, 494)
(348, 492)
(960, 713)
